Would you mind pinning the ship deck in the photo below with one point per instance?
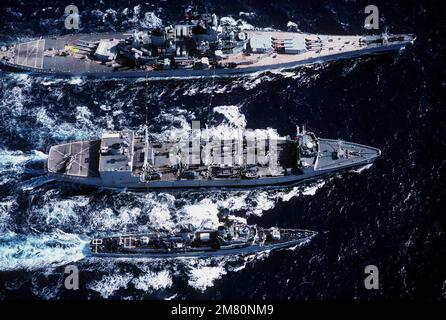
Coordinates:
(230, 157)
(79, 159)
(139, 245)
(332, 45)
(357, 153)
(40, 54)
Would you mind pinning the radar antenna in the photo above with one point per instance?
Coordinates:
(341, 151)
(340, 144)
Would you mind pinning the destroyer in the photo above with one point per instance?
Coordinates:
(201, 45)
(231, 238)
(126, 159)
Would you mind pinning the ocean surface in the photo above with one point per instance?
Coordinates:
(390, 214)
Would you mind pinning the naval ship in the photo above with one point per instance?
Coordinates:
(231, 238)
(201, 45)
(131, 160)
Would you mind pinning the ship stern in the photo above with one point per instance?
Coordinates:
(75, 160)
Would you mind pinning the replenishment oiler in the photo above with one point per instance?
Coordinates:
(128, 160)
(230, 238)
(201, 45)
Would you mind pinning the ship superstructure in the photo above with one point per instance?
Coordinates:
(126, 159)
(200, 45)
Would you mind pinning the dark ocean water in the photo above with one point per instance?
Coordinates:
(391, 214)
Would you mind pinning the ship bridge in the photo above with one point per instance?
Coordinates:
(116, 152)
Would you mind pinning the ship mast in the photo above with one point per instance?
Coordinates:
(146, 136)
(146, 147)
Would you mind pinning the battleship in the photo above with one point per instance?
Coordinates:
(131, 160)
(230, 238)
(201, 45)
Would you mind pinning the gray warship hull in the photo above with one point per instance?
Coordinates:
(323, 162)
(232, 238)
(32, 57)
(137, 185)
(252, 249)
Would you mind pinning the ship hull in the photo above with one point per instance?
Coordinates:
(224, 72)
(251, 249)
(140, 186)
(95, 71)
